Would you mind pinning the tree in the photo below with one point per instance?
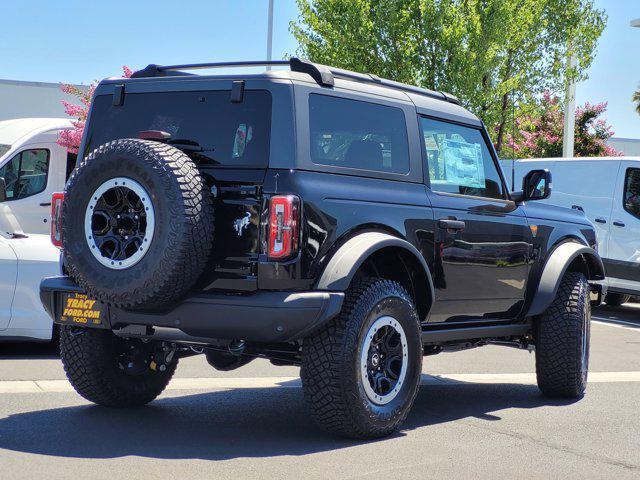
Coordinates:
(72, 138)
(540, 129)
(636, 99)
(489, 53)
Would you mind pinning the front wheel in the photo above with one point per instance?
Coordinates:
(112, 371)
(562, 335)
(361, 372)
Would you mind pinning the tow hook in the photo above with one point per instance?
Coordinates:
(163, 358)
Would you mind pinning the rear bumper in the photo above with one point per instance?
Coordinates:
(266, 316)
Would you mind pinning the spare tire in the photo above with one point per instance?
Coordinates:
(137, 224)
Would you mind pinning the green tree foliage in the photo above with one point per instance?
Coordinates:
(489, 53)
(636, 100)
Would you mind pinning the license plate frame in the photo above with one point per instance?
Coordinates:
(80, 310)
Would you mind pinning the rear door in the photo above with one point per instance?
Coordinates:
(622, 262)
(228, 136)
(483, 243)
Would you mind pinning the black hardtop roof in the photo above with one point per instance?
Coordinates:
(323, 75)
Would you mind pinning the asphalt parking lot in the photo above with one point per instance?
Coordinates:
(478, 415)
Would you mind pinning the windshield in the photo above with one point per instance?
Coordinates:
(206, 124)
(4, 149)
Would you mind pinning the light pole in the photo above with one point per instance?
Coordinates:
(270, 33)
(569, 111)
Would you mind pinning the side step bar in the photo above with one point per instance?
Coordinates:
(434, 337)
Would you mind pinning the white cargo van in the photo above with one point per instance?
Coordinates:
(607, 189)
(33, 166)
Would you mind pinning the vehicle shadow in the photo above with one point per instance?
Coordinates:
(627, 312)
(234, 423)
(28, 350)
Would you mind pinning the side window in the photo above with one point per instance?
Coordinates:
(631, 197)
(459, 160)
(355, 134)
(25, 174)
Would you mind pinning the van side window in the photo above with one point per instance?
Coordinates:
(354, 134)
(25, 174)
(631, 197)
(459, 160)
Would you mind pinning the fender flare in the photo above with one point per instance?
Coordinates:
(346, 261)
(555, 268)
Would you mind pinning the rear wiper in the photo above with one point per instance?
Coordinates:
(181, 143)
(190, 145)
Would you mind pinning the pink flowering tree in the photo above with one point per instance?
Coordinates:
(71, 138)
(539, 131)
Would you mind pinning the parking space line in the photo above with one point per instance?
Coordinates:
(225, 383)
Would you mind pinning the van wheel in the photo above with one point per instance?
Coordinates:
(112, 371)
(562, 335)
(616, 299)
(361, 372)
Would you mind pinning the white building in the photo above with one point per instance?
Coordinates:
(630, 147)
(19, 99)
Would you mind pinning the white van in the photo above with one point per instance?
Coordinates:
(607, 189)
(33, 166)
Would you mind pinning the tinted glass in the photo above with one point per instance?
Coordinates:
(632, 192)
(459, 160)
(229, 134)
(25, 174)
(354, 134)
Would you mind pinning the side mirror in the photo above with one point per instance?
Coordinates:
(3, 190)
(536, 185)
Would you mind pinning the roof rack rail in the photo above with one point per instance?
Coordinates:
(322, 74)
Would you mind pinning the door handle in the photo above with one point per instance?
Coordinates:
(600, 220)
(451, 224)
(618, 223)
(45, 204)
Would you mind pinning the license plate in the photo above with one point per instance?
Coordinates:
(79, 309)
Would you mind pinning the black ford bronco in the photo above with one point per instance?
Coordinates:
(311, 216)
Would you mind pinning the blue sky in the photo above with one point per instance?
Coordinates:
(80, 41)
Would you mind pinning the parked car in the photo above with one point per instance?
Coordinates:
(24, 260)
(316, 217)
(607, 190)
(33, 166)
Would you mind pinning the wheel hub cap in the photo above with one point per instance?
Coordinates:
(119, 223)
(383, 361)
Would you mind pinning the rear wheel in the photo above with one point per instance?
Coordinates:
(361, 372)
(616, 299)
(113, 371)
(562, 335)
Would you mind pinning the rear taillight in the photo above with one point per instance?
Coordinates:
(56, 219)
(284, 226)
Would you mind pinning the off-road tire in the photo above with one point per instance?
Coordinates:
(183, 235)
(562, 335)
(616, 299)
(330, 372)
(89, 357)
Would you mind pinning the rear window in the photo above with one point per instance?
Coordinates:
(354, 134)
(224, 133)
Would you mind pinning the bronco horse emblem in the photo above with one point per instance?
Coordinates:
(242, 223)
